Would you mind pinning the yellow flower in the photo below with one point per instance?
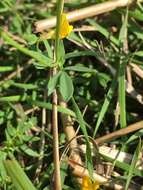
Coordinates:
(65, 29)
(87, 184)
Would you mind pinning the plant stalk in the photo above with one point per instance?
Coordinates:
(57, 176)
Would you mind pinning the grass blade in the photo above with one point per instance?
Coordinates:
(18, 176)
(84, 130)
(133, 164)
(123, 61)
(105, 105)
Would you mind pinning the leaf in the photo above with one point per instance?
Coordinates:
(136, 29)
(63, 168)
(29, 151)
(122, 69)
(105, 105)
(11, 131)
(42, 61)
(103, 79)
(137, 14)
(133, 164)
(53, 83)
(139, 53)
(3, 173)
(122, 93)
(61, 54)
(123, 31)
(24, 86)
(65, 86)
(48, 106)
(48, 49)
(103, 31)
(6, 68)
(15, 98)
(17, 175)
(80, 69)
(31, 38)
(135, 136)
(84, 130)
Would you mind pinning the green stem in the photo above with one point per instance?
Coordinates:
(60, 5)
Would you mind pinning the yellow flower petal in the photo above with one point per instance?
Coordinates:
(95, 185)
(65, 27)
(88, 185)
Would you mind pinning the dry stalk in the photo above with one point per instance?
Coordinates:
(121, 132)
(129, 75)
(83, 13)
(31, 110)
(57, 179)
(70, 133)
(137, 70)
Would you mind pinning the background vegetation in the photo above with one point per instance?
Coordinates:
(101, 81)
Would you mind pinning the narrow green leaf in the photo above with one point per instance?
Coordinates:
(24, 86)
(66, 86)
(135, 136)
(105, 105)
(80, 69)
(48, 49)
(18, 176)
(63, 168)
(133, 164)
(53, 83)
(122, 93)
(29, 151)
(139, 53)
(43, 60)
(84, 130)
(103, 31)
(123, 31)
(103, 79)
(49, 107)
(61, 54)
(15, 98)
(3, 173)
(6, 68)
(122, 68)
